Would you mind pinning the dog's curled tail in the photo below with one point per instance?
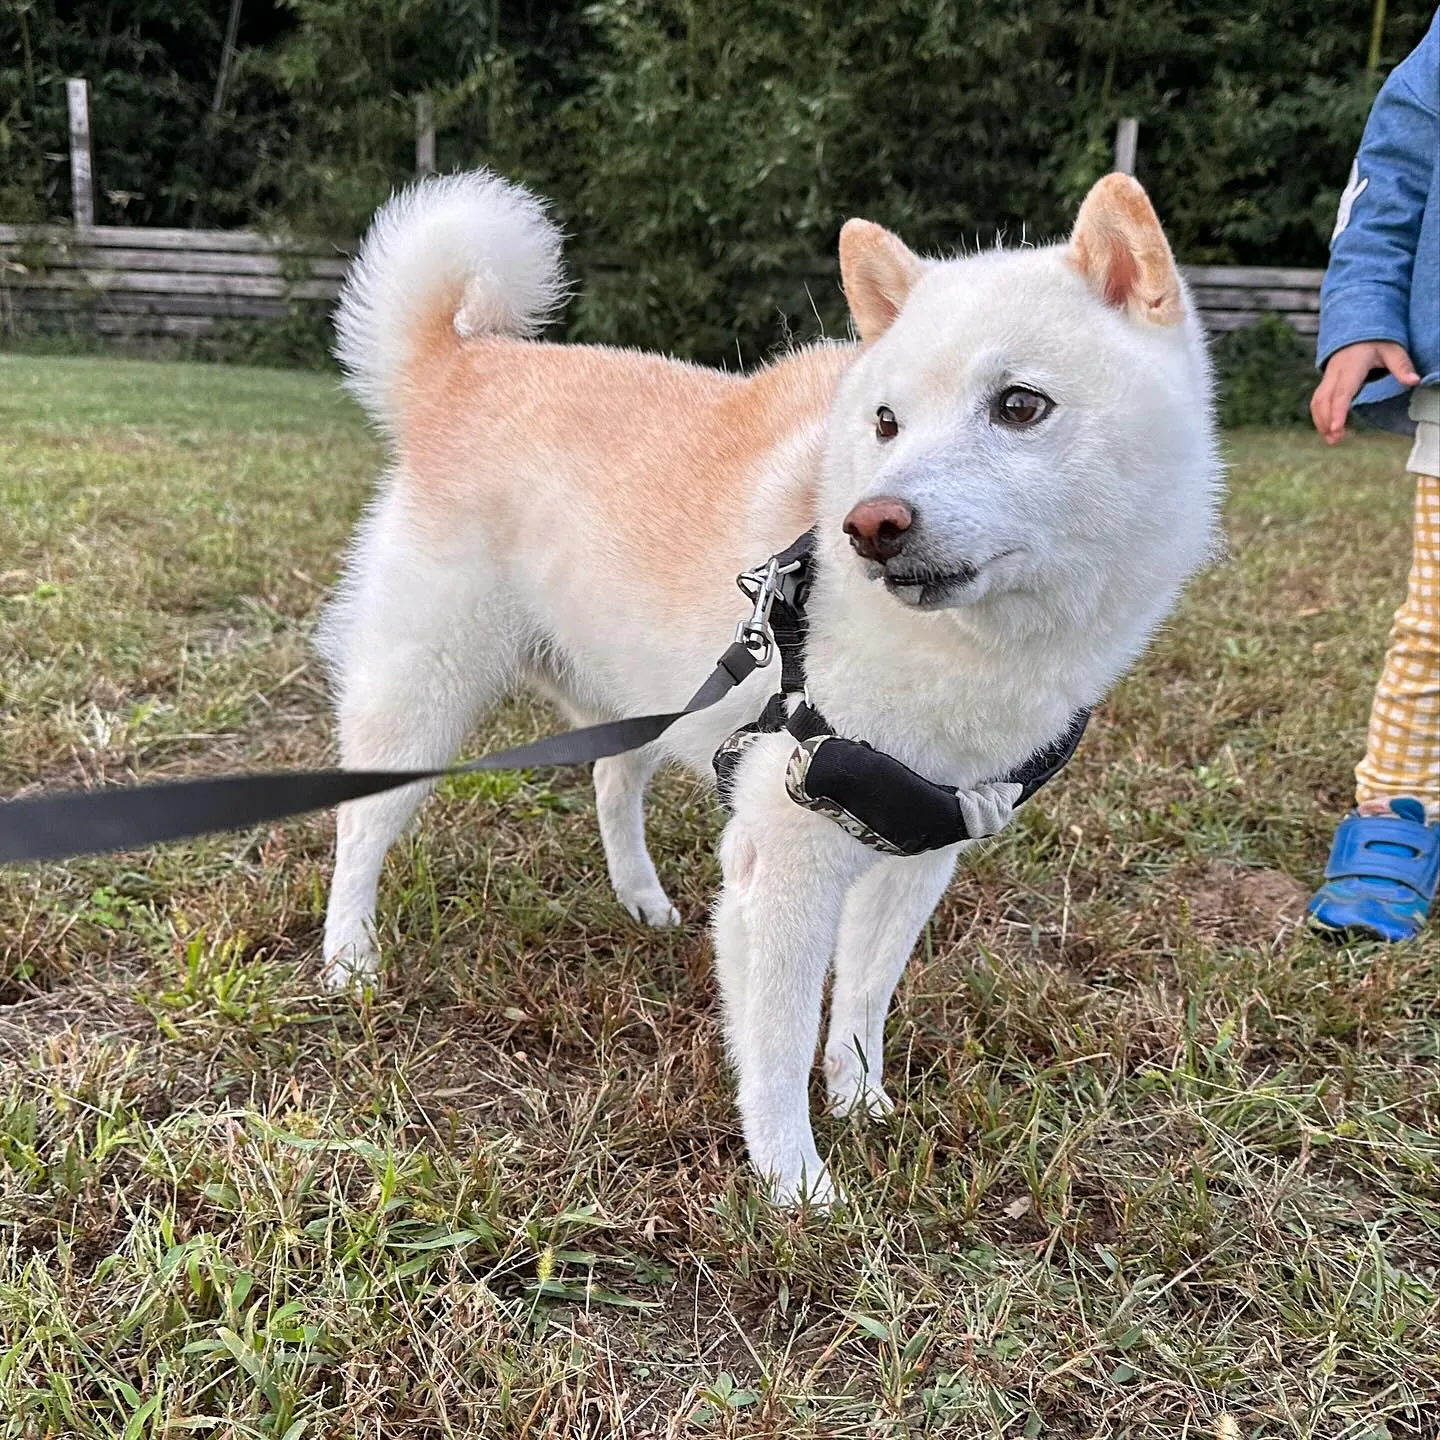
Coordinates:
(467, 254)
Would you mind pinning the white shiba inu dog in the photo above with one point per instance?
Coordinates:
(1011, 474)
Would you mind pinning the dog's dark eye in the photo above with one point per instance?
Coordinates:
(887, 427)
(1019, 407)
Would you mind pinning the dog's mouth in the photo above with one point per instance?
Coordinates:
(925, 590)
(929, 588)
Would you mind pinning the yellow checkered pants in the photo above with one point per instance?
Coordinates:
(1402, 755)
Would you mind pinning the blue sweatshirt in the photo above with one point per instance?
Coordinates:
(1383, 281)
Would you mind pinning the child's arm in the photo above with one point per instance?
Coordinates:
(1365, 298)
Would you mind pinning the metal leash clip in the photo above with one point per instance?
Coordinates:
(761, 585)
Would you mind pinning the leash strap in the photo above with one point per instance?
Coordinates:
(871, 794)
(89, 822)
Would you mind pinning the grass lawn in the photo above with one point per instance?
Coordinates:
(1163, 1165)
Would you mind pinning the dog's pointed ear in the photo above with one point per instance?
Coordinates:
(877, 270)
(1122, 253)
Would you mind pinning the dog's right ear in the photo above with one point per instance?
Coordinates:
(877, 270)
(1122, 253)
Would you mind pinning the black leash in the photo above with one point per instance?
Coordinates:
(89, 822)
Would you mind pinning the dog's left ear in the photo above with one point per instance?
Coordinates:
(877, 270)
(1122, 253)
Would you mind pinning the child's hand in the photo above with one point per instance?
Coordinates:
(1345, 373)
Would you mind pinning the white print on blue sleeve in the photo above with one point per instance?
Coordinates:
(1354, 187)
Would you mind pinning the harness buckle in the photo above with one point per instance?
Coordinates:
(761, 585)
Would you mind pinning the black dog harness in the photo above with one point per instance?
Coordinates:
(869, 794)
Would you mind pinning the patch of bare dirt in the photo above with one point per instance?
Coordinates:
(1235, 903)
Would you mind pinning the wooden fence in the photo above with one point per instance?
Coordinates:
(1229, 297)
(151, 284)
(148, 284)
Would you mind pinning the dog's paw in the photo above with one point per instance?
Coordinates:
(849, 1091)
(800, 1190)
(651, 907)
(350, 967)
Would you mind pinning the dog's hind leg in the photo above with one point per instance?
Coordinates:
(417, 661)
(620, 783)
(885, 910)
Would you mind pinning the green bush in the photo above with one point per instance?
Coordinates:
(1264, 374)
(300, 341)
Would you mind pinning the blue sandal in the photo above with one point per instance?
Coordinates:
(1381, 875)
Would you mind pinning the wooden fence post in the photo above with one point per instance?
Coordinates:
(1127, 133)
(1377, 35)
(227, 56)
(424, 135)
(82, 181)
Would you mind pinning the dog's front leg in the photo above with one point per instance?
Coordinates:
(786, 873)
(885, 911)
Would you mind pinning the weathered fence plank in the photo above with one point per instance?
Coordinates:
(107, 282)
(1219, 321)
(121, 302)
(247, 241)
(1264, 275)
(1240, 297)
(136, 327)
(181, 262)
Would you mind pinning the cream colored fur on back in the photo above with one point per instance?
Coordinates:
(571, 519)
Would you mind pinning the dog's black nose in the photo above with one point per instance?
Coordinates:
(877, 527)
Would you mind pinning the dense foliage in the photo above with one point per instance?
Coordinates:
(703, 155)
(1264, 374)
